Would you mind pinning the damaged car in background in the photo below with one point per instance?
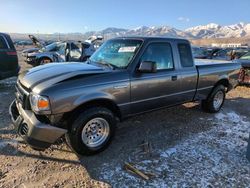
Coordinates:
(63, 51)
(37, 43)
(244, 76)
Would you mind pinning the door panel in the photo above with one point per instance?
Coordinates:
(75, 52)
(155, 90)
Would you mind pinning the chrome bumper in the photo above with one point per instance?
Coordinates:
(37, 134)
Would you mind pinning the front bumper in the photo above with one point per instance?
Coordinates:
(37, 134)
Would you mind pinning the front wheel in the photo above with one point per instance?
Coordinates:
(44, 61)
(92, 131)
(215, 100)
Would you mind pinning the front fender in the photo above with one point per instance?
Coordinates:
(93, 96)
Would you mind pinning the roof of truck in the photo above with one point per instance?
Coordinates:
(147, 38)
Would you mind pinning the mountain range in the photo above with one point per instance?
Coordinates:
(209, 31)
(213, 30)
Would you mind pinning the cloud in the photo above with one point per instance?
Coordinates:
(183, 19)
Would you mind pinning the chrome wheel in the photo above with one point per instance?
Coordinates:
(95, 132)
(218, 99)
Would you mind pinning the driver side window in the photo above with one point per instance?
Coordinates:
(161, 54)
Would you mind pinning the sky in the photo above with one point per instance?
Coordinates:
(65, 16)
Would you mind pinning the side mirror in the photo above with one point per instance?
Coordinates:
(148, 67)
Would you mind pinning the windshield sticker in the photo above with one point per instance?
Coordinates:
(127, 49)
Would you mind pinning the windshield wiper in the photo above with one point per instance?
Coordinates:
(107, 64)
(101, 62)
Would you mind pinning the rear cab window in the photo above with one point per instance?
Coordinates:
(3, 44)
(185, 55)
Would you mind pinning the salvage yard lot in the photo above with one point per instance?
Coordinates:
(181, 146)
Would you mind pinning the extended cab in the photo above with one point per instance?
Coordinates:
(125, 77)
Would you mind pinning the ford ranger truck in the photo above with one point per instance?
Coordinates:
(124, 77)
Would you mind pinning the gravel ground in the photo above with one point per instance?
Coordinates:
(185, 148)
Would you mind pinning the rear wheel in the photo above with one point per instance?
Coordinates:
(215, 100)
(92, 131)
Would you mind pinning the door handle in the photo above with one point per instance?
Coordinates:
(174, 78)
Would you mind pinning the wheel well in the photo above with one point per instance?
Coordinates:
(223, 82)
(106, 103)
(45, 57)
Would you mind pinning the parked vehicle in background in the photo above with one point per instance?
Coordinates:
(124, 77)
(223, 54)
(199, 52)
(229, 54)
(244, 76)
(60, 52)
(8, 57)
(22, 43)
(37, 43)
(95, 40)
(210, 52)
(239, 52)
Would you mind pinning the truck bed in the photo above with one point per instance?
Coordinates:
(210, 61)
(210, 71)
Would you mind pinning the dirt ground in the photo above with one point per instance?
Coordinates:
(186, 148)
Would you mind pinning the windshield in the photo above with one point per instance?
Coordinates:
(246, 56)
(55, 46)
(117, 53)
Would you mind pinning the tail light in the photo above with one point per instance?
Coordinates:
(11, 53)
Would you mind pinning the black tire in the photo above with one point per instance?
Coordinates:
(44, 60)
(208, 104)
(74, 136)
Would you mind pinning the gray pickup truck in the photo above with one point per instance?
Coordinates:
(125, 77)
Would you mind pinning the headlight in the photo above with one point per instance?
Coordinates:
(30, 58)
(39, 103)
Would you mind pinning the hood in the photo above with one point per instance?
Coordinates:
(35, 41)
(30, 50)
(37, 53)
(57, 72)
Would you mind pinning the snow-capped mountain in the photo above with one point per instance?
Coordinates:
(165, 31)
(208, 31)
(158, 31)
(213, 30)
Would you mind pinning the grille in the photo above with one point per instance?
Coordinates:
(22, 96)
(24, 129)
